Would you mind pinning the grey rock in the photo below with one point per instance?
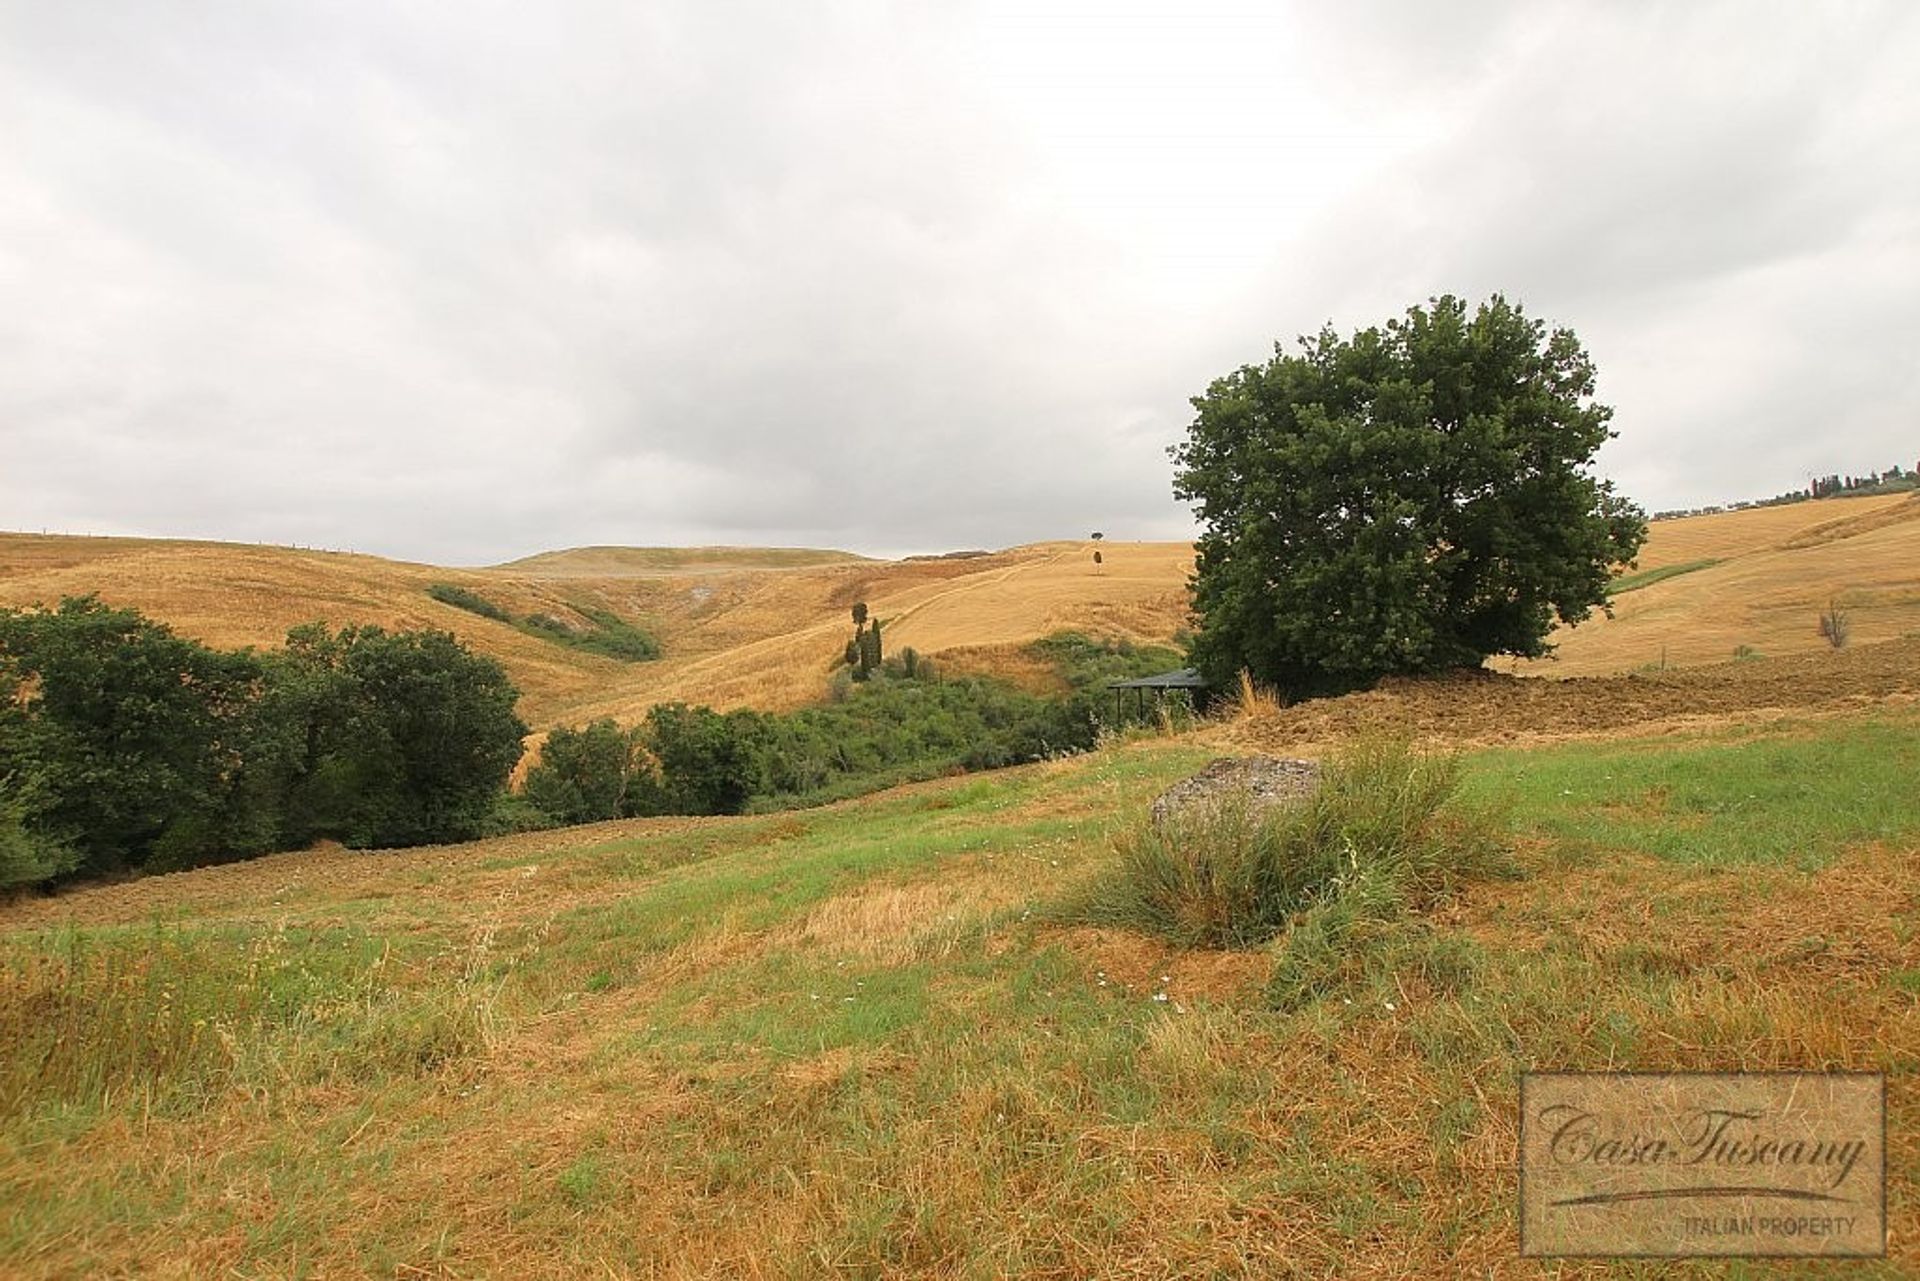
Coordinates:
(1268, 781)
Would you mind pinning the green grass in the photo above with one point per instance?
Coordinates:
(672, 1071)
(176, 1014)
(1798, 799)
(609, 635)
(1648, 577)
(465, 598)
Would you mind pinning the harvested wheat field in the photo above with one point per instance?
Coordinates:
(747, 627)
(1763, 577)
(1473, 708)
(873, 1039)
(739, 627)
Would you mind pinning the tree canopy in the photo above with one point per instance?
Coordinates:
(123, 745)
(1414, 498)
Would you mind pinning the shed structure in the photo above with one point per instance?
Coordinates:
(1180, 678)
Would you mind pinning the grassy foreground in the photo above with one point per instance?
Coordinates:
(855, 1041)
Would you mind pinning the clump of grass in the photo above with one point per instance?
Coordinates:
(1252, 701)
(1382, 834)
(181, 1015)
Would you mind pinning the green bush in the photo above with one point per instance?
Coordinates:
(379, 738)
(585, 775)
(125, 746)
(1381, 835)
(609, 635)
(473, 602)
(28, 857)
(615, 637)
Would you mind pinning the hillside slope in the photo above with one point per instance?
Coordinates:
(739, 626)
(750, 627)
(871, 1039)
(1777, 569)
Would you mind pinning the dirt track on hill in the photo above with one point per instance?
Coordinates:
(1490, 707)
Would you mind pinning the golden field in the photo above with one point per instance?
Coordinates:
(740, 627)
(760, 628)
(1780, 567)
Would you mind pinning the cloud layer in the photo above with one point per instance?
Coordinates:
(463, 282)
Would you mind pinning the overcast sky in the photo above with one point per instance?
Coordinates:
(459, 282)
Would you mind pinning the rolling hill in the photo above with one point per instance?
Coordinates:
(1772, 571)
(739, 626)
(759, 627)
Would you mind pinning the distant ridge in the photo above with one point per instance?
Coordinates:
(608, 561)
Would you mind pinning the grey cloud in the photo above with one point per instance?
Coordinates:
(470, 282)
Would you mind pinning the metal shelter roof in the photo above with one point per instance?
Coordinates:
(1179, 678)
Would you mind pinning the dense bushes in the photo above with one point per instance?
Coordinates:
(610, 635)
(374, 738)
(585, 775)
(473, 602)
(125, 746)
(891, 729)
(606, 633)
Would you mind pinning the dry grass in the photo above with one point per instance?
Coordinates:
(1489, 707)
(1253, 701)
(746, 627)
(896, 924)
(1779, 568)
(740, 627)
(975, 1097)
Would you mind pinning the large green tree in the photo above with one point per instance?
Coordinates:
(1413, 498)
(119, 741)
(386, 738)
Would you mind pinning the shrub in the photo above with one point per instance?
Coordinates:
(608, 635)
(615, 637)
(463, 598)
(1835, 626)
(1382, 834)
(28, 857)
(707, 763)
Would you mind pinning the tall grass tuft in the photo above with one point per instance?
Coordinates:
(1383, 834)
(180, 1016)
(1253, 701)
